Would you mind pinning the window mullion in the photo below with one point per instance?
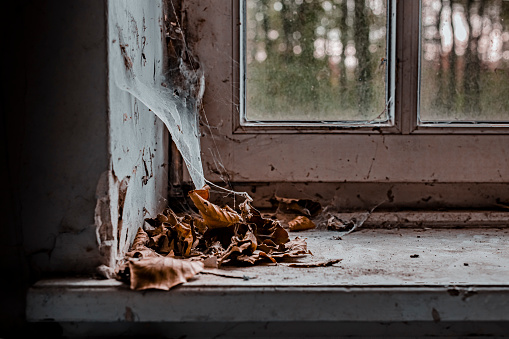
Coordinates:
(407, 63)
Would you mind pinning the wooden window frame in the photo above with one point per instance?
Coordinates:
(455, 157)
(242, 125)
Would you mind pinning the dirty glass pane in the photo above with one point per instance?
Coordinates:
(316, 60)
(464, 61)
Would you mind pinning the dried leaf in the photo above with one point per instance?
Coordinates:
(262, 254)
(139, 247)
(171, 217)
(301, 223)
(267, 248)
(204, 192)
(334, 223)
(251, 239)
(251, 259)
(292, 249)
(247, 245)
(200, 225)
(144, 252)
(165, 245)
(157, 237)
(214, 248)
(162, 272)
(210, 262)
(167, 217)
(213, 215)
(279, 235)
(141, 239)
(161, 218)
(304, 206)
(185, 237)
(296, 245)
(265, 228)
(255, 257)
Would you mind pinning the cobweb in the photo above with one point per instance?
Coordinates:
(175, 99)
(180, 116)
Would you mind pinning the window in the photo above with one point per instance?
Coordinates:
(318, 61)
(464, 62)
(412, 159)
(464, 289)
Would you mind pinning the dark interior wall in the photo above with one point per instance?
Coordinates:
(56, 121)
(65, 141)
(83, 161)
(54, 136)
(13, 279)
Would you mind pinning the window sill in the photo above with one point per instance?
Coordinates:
(459, 275)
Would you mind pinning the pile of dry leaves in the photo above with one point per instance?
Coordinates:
(175, 248)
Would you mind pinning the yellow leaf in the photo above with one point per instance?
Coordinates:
(213, 215)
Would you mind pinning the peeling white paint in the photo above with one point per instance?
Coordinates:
(138, 145)
(179, 112)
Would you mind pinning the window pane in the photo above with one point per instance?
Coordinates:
(464, 61)
(316, 60)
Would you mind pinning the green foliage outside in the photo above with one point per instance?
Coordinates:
(465, 60)
(314, 60)
(323, 60)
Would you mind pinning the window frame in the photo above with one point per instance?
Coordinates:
(445, 127)
(242, 125)
(405, 105)
(268, 157)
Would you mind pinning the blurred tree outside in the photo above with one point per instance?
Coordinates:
(465, 61)
(316, 60)
(324, 60)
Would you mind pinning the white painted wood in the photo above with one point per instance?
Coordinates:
(294, 156)
(377, 280)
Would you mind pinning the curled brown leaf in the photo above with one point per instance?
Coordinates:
(161, 272)
(304, 206)
(213, 215)
(204, 192)
(141, 239)
(240, 246)
(139, 247)
(301, 223)
(185, 236)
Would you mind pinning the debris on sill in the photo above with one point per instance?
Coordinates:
(316, 264)
(306, 207)
(172, 249)
(307, 214)
(333, 222)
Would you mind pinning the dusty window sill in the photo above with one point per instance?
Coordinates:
(459, 275)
